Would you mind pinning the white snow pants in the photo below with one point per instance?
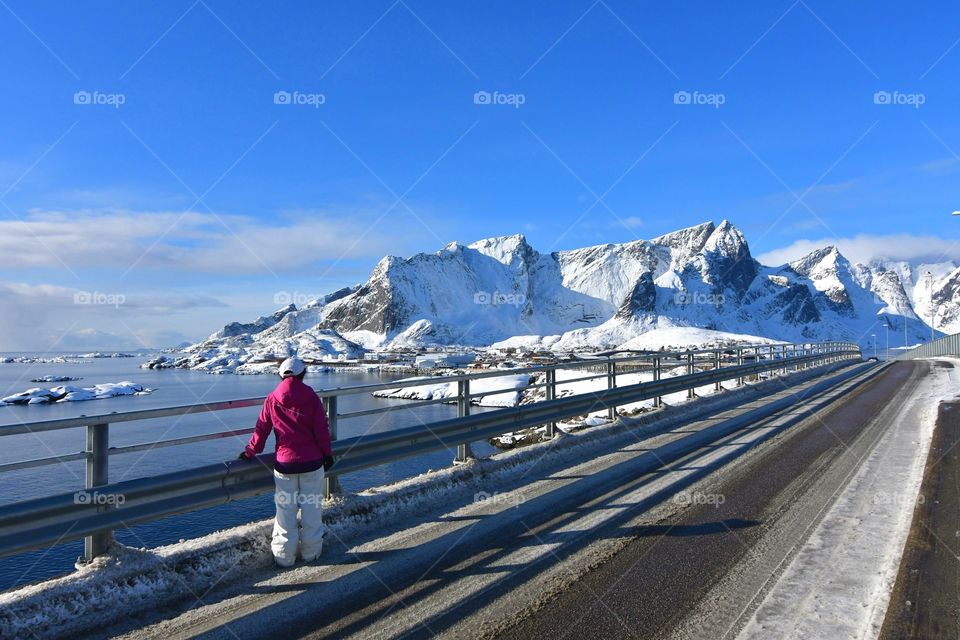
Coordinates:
(295, 492)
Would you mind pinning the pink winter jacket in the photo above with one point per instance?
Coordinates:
(294, 411)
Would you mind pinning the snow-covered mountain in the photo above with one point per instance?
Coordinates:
(502, 289)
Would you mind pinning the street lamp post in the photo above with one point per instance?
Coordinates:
(932, 308)
(874, 336)
(886, 325)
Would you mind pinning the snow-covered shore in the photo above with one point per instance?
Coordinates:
(508, 390)
(65, 359)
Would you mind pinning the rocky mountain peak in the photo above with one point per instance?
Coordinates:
(504, 249)
(690, 240)
(819, 262)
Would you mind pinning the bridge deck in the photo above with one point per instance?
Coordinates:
(628, 543)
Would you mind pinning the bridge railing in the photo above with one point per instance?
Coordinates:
(945, 346)
(94, 512)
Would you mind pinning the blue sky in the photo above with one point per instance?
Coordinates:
(145, 156)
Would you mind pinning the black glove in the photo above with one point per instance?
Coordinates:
(243, 456)
(327, 463)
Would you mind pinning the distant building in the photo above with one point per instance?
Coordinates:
(445, 360)
(426, 362)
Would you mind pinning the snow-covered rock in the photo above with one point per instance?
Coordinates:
(70, 393)
(54, 378)
(160, 362)
(37, 360)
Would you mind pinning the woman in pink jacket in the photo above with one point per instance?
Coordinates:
(294, 412)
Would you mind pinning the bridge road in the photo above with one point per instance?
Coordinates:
(694, 576)
(603, 548)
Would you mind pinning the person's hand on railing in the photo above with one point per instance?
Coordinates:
(244, 456)
(327, 463)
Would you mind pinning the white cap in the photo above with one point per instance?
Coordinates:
(291, 367)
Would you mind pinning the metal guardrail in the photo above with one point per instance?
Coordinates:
(946, 346)
(95, 511)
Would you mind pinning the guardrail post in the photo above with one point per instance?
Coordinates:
(658, 401)
(463, 410)
(691, 369)
(740, 381)
(551, 390)
(611, 384)
(331, 483)
(716, 365)
(98, 472)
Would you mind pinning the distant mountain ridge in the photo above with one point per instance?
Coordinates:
(502, 289)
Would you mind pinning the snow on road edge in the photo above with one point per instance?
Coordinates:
(839, 583)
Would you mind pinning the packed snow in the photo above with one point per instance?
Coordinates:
(70, 393)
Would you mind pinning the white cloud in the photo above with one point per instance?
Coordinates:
(863, 248)
(196, 242)
(52, 317)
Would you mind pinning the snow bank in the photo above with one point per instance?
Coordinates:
(445, 390)
(70, 393)
(53, 378)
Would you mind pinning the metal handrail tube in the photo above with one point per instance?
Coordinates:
(173, 442)
(583, 379)
(567, 406)
(79, 421)
(141, 490)
(406, 405)
(203, 407)
(42, 462)
(126, 416)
